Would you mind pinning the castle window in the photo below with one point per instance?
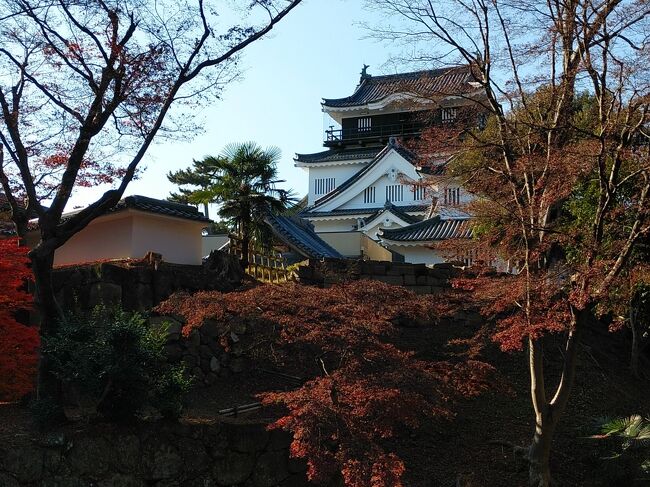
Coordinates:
(448, 115)
(369, 195)
(452, 196)
(419, 193)
(324, 185)
(364, 124)
(394, 192)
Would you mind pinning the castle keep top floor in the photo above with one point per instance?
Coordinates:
(398, 105)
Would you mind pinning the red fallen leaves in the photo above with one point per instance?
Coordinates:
(367, 390)
(18, 343)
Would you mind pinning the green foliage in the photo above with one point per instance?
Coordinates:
(218, 227)
(112, 359)
(244, 181)
(633, 431)
(623, 453)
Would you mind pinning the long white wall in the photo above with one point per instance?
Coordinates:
(418, 255)
(103, 239)
(130, 235)
(179, 241)
(347, 225)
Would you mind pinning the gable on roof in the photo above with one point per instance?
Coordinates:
(428, 230)
(388, 216)
(392, 158)
(431, 83)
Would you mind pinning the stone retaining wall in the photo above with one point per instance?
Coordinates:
(201, 351)
(141, 285)
(160, 454)
(416, 277)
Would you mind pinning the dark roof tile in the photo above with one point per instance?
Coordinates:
(427, 230)
(436, 82)
(307, 213)
(299, 234)
(333, 155)
(160, 207)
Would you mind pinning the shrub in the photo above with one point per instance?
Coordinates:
(114, 361)
(623, 452)
(18, 343)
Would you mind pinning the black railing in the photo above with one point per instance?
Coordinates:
(334, 136)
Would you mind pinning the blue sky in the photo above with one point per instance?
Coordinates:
(316, 52)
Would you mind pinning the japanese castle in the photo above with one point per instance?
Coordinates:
(368, 184)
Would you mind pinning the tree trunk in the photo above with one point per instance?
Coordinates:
(48, 386)
(634, 353)
(548, 413)
(245, 243)
(539, 451)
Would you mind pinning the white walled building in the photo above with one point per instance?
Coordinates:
(368, 181)
(135, 226)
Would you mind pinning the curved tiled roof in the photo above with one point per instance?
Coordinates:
(308, 212)
(299, 234)
(334, 155)
(431, 229)
(148, 205)
(398, 211)
(160, 207)
(441, 82)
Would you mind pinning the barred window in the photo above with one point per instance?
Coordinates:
(419, 193)
(452, 196)
(364, 124)
(395, 192)
(448, 115)
(324, 185)
(369, 194)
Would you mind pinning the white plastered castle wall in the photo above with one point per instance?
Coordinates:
(131, 234)
(418, 254)
(108, 237)
(391, 162)
(338, 225)
(340, 173)
(178, 241)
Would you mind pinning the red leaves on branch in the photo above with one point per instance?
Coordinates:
(363, 389)
(503, 298)
(18, 343)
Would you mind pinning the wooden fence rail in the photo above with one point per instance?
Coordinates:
(265, 267)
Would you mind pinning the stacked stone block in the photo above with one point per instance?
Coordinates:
(162, 454)
(418, 278)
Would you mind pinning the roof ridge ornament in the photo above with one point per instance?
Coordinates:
(364, 73)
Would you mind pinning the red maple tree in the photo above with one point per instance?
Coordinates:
(362, 389)
(18, 343)
(560, 168)
(89, 87)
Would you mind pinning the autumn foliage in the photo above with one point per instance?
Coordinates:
(361, 389)
(18, 343)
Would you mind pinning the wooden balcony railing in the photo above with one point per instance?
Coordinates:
(335, 136)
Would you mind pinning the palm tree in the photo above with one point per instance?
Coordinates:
(244, 179)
